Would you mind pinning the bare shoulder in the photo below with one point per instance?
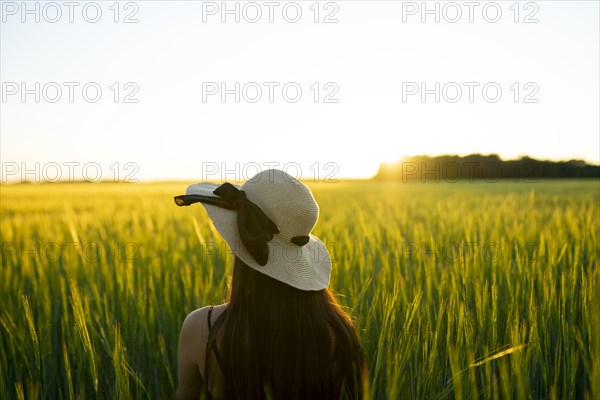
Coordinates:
(194, 320)
(195, 324)
(191, 352)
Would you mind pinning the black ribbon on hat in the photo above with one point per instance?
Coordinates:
(300, 240)
(254, 227)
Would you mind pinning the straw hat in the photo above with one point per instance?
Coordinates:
(267, 223)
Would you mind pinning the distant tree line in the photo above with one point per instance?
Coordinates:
(478, 166)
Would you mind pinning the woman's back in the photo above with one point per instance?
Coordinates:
(281, 341)
(212, 354)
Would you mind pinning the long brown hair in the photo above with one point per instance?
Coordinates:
(280, 342)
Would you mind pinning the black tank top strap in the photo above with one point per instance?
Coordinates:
(213, 345)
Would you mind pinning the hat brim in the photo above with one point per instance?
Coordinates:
(306, 267)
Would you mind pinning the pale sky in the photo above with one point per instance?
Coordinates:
(372, 60)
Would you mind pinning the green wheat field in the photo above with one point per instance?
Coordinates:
(468, 290)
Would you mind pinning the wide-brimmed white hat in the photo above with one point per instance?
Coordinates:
(267, 223)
